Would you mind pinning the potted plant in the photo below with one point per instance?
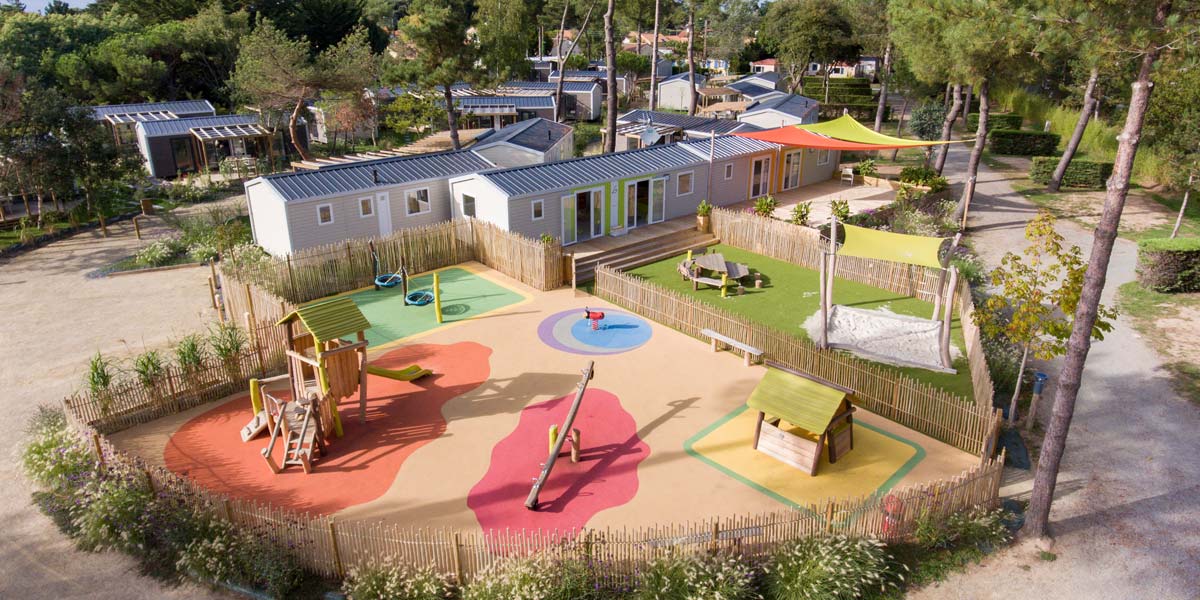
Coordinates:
(703, 214)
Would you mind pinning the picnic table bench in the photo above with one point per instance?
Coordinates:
(748, 351)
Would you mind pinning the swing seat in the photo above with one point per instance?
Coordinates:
(419, 298)
(388, 281)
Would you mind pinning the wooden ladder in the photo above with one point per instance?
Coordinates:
(298, 424)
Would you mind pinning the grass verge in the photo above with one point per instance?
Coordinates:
(1149, 310)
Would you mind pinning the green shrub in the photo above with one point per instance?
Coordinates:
(859, 111)
(832, 568)
(394, 580)
(703, 209)
(547, 239)
(840, 208)
(149, 366)
(1169, 265)
(190, 352)
(227, 341)
(801, 213)
(203, 252)
(537, 577)
(212, 558)
(971, 527)
(765, 206)
(970, 267)
(995, 121)
(917, 175)
(54, 456)
(246, 256)
(111, 517)
(157, 253)
(866, 168)
(100, 374)
(727, 577)
(1080, 173)
(1023, 143)
(242, 558)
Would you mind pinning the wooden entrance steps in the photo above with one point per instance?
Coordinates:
(642, 252)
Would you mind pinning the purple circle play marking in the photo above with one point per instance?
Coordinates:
(570, 331)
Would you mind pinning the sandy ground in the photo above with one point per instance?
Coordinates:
(673, 387)
(1126, 517)
(860, 197)
(55, 319)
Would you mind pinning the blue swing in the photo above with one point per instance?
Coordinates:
(389, 281)
(419, 298)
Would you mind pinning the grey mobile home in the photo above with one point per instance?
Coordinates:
(174, 146)
(122, 119)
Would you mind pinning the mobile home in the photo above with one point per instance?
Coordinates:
(780, 111)
(528, 142)
(174, 146)
(676, 92)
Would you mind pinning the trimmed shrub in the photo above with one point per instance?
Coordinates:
(1022, 143)
(838, 81)
(1169, 265)
(861, 112)
(995, 121)
(1080, 173)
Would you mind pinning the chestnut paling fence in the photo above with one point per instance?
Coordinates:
(331, 546)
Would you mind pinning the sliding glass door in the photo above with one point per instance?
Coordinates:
(645, 202)
(760, 177)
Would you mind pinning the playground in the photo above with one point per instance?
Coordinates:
(664, 430)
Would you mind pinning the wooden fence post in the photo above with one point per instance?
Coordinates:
(716, 535)
(149, 480)
(337, 555)
(99, 450)
(212, 293)
(458, 570)
(829, 518)
(228, 511)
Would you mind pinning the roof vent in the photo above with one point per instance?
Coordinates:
(375, 176)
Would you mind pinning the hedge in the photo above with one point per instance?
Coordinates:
(1080, 173)
(1169, 265)
(862, 112)
(995, 121)
(1023, 143)
(838, 81)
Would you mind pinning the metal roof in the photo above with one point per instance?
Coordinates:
(723, 126)
(636, 129)
(521, 181)
(771, 76)
(700, 79)
(174, 127)
(751, 90)
(156, 115)
(724, 147)
(179, 107)
(568, 86)
(226, 132)
(663, 118)
(536, 134)
(359, 176)
(522, 102)
(791, 104)
(585, 74)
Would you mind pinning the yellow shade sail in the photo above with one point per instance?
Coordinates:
(896, 247)
(847, 129)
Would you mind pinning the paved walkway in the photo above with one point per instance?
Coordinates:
(55, 318)
(1127, 516)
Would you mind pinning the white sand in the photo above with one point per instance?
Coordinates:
(883, 336)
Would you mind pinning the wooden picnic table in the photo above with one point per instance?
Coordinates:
(716, 262)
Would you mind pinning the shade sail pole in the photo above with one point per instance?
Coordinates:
(944, 342)
(937, 301)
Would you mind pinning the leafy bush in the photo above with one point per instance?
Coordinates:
(995, 121)
(972, 527)
(111, 514)
(190, 352)
(765, 206)
(100, 374)
(1003, 361)
(242, 558)
(840, 208)
(830, 568)
(969, 266)
(393, 580)
(157, 253)
(801, 213)
(538, 577)
(227, 341)
(149, 366)
(859, 111)
(1169, 265)
(547, 239)
(246, 256)
(202, 252)
(866, 168)
(211, 558)
(917, 175)
(1023, 143)
(937, 184)
(703, 209)
(1080, 173)
(727, 577)
(54, 456)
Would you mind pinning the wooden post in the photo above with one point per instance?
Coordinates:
(716, 534)
(291, 275)
(212, 292)
(829, 518)
(99, 450)
(337, 555)
(137, 227)
(149, 481)
(458, 570)
(228, 510)
(576, 441)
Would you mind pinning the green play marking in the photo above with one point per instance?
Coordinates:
(464, 295)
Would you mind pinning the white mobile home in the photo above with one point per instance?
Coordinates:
(669, 128)
(588, 95)
(780, 111)
(294, 211)
(676, 92)
(528, 142)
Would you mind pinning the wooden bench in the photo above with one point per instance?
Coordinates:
(748, 351)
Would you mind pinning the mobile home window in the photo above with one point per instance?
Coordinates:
(728, 171)
(366, 208)
(468, 205)
(683, 184)
(324, 214)
(417, 201)
(822, 157)
(538, 210)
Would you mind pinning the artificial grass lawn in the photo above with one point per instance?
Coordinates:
(464, 295)
(789, 296)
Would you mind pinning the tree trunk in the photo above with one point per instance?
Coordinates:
(1085, 114)
(968, 94)
(654, 57)
(294, 131)
(1183, 207)
(1037, 516)
(610, 59)
(964, 204)
(946, 100)
(1012, 405)
(691, 56)
(452, 115)
(948, 128)
(883, 86)
(41, 201)
(562, 63)
(900, 125)
(825, 83)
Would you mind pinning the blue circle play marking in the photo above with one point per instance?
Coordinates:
(618, 332)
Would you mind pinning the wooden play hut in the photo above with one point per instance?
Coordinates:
(322, 361)
(818, 415)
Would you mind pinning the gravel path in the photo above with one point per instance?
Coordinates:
(1127, 516)
(55, 319)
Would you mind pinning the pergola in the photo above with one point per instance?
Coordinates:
(119, 121)
(219, 133)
